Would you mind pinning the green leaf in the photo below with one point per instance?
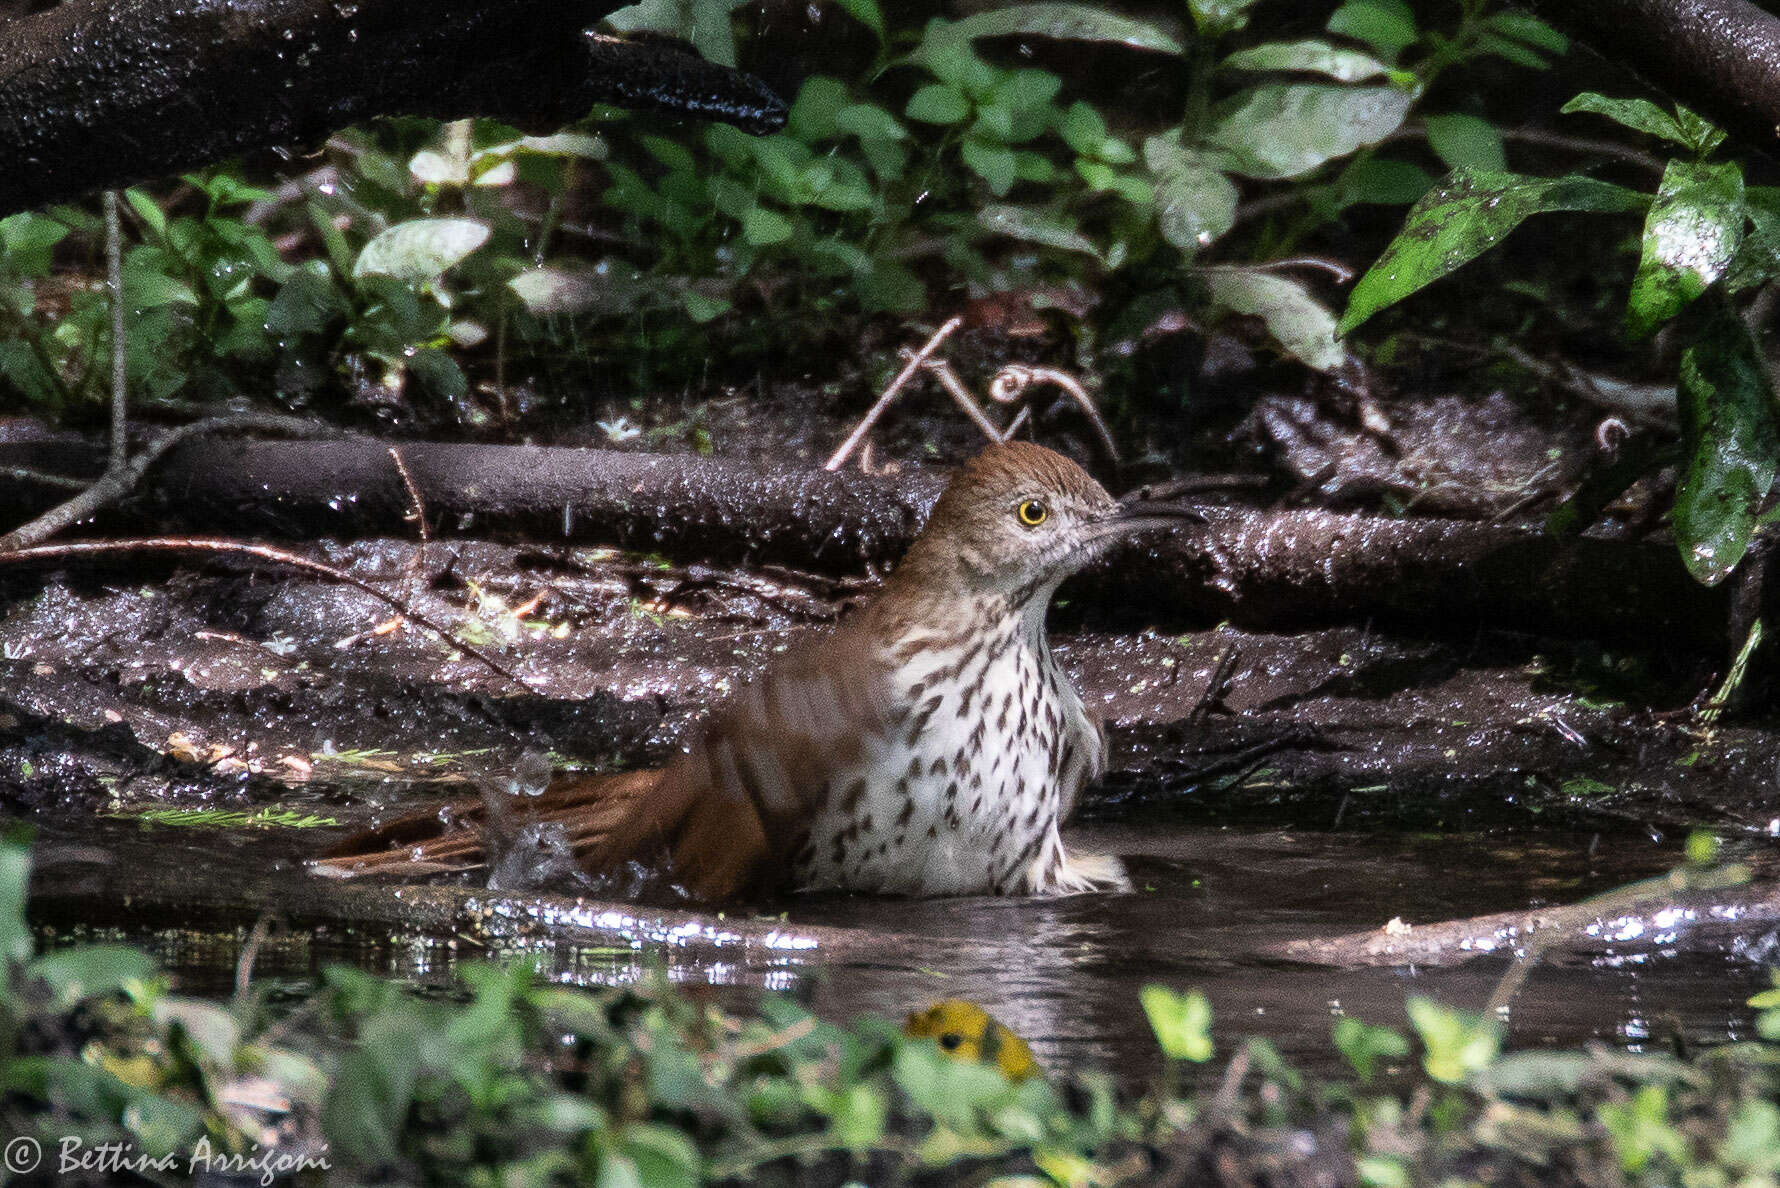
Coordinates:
(1062, 22)
(1683, 128)
(15, 874)
(1035, 226)
(867, 13)
(1383, 181)
(1461, 219)
(1288, 129)
(868, 121)
(1295, 319)
(761, 227)
(1388, 26)
(938, 103)
(147, 209)
(1466, 142)
(1456, 1043)
(1182, 1022)
(994, 163)
(1528, 28)
(307, 303)
(819, 102)
(90, 971)
(420, 250)
(1309, 57)
(1730, 440)
(1195, 202)
(1365, 1045)
(1214, 18)
(1512, 51)
(1692, 233)
(28, 242)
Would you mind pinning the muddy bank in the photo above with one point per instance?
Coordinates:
(242, 671)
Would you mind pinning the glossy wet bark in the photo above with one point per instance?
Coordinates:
(104, 93)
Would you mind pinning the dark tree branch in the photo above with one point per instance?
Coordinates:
(1255, 567)
(100, 93)
(122, 475)
(1719, 57)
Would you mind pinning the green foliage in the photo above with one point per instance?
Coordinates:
(1707, 236)
(940, 170)
(506, 1078)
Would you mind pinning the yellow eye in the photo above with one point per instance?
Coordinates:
(1032, 513)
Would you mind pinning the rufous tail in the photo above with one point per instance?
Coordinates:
(712, 846)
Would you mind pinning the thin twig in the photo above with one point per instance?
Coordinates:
(116, 482)
(114, 282)
(948, 379)
(1335, 268)
(416, 506)
(24, 474)
(907, 373)
(205, 544)
(1012, 382)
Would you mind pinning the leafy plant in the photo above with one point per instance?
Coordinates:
(1707, 238)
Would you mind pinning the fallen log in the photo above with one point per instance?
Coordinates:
(1721, 57)
(101, 93)
(1259, 568)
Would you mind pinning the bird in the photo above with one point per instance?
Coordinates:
(929, 744)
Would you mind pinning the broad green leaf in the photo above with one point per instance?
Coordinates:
(1388, 26)
(1182, 1022)
(1312, 57)
(1034, 226)
(1683, 128)
(1288, 129)
(867, 13)
(1528, 28)
(993, 162)
(868, 121)
(1456, 1043)
(1469, 213)
(420, 250)
(1758, 257)
(1295, 319)
(1380, 180)
(1195, 201)
(1214, 18)
(147, 209)
(820, 100)
(28, 242)
(761, 227)
(1062, 22)
(1365, 1045)
(1692, 233)
(1730, 440)
(1466, 142)
(938, 103)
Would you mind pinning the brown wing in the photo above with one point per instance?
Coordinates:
(723, 820)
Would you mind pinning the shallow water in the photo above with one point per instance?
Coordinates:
(1063, 973)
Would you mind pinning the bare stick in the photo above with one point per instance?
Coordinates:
(114, 281)
(117, 480)
(1013, 381)
(896, 385)
(416, 507)
(948, 379)
(205, 544)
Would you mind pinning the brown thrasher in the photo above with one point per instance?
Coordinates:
(928, 745)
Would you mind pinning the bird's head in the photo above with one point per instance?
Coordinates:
(1018, 518)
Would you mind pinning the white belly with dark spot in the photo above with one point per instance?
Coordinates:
(965, 796)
